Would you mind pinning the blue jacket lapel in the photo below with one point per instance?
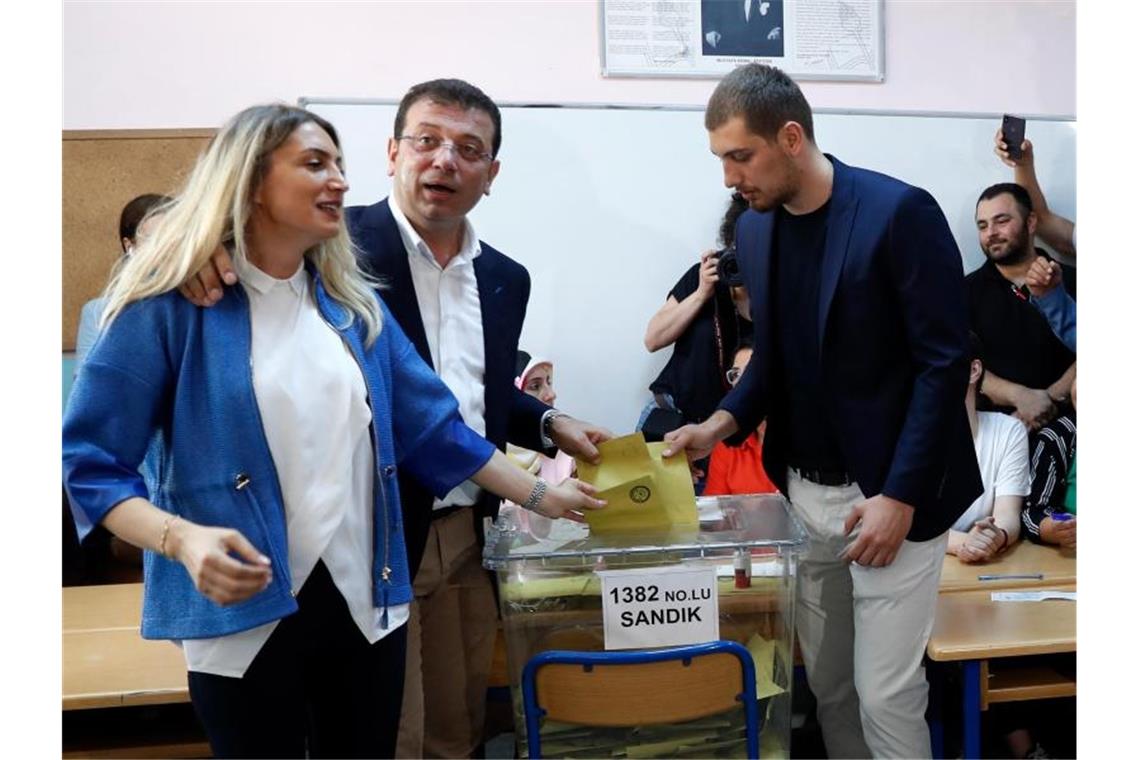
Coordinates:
(840, 220)
(490, 289)
(400, 291)
(761, 300)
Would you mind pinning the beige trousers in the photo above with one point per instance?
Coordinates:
(451, 639)
(863, 630)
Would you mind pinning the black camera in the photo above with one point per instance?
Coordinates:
(728, 268)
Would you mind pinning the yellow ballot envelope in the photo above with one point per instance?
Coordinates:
(642, 490)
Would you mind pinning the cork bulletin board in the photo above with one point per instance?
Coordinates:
(102, 170)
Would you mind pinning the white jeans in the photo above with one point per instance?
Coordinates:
(863, 630)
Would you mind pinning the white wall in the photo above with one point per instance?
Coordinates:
(192, 64)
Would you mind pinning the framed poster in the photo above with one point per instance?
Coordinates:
(808, 39)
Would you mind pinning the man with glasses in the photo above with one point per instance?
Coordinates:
(462, 304)
(860, 367)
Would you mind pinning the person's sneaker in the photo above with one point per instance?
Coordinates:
(1038, 752)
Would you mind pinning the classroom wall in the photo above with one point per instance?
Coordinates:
(192, 64)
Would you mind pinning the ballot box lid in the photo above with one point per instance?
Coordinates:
(726, 523)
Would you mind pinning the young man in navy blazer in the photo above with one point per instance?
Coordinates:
(861, 361)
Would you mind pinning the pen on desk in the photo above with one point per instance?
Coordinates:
(1015, 577)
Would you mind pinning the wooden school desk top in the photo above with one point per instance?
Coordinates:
(106, 663)
(969, 626)
(1053, 563)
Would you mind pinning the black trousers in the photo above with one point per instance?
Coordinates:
(316, 688)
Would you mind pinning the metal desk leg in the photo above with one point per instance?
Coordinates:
(972, 709)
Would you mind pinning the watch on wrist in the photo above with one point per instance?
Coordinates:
(548, 422)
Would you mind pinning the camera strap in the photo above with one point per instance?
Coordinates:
(718, 336)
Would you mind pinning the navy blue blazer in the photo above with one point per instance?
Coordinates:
(894, 348)
(504, 289)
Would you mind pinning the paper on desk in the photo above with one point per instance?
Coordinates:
(642, 490)
(1032, 596)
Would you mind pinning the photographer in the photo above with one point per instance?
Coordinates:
(704, 317)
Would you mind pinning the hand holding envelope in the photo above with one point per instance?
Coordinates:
(642, 490)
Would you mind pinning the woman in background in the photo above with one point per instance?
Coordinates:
(136, 220)
(739, 469)
(275, 543)
(704, 318)
(536, 378)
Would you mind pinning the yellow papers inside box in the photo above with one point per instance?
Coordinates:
(642, 490)
(764, 655)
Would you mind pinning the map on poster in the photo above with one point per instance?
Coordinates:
(809, 39)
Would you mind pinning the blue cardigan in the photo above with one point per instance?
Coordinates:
(176, 379)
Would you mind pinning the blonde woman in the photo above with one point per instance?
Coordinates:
(276, 421)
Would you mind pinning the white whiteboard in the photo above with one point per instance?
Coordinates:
(607, 207)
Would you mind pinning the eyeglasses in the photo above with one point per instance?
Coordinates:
(733, 375)
(428, 144)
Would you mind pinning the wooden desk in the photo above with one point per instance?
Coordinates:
(118, 668)
(106, 663)
(971, 628)
(1056, 565)
(94, 608)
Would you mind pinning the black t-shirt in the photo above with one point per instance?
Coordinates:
(1018, 343)
(798, 249)
(694, 375)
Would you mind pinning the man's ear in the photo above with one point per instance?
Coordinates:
(1031, 223)
(393, 147)
(975, 371)
(492, 172)
(791, 138)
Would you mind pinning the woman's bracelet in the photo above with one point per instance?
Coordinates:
(1005, 543)
(536, 495)
(165, 532)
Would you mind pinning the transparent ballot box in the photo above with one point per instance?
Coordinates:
(730, 579)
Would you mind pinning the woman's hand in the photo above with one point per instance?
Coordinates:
(708, 276)
(983, 542)
(568, 499)
(206, 554)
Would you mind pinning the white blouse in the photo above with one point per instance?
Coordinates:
(314, 409)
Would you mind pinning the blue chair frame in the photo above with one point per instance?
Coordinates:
(588, 660)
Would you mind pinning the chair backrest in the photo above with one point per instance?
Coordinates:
(632, 688)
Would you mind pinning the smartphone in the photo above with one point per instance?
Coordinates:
(1013, 133)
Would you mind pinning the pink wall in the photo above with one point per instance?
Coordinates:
(192, 64)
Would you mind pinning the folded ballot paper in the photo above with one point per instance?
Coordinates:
(642, 490)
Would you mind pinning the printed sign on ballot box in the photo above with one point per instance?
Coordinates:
(659, 606)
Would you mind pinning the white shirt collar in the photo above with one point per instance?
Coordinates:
(413, 242)
(249, 274)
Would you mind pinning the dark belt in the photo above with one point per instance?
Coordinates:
(825, 477)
